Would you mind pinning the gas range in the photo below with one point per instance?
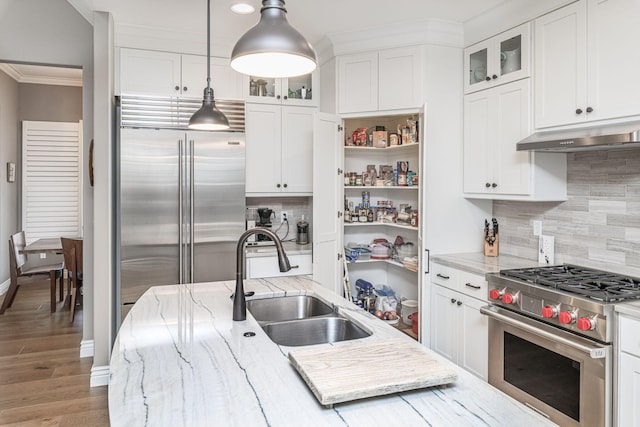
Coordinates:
(574, 298)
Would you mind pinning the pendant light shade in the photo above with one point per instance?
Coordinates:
(273, 48)
(208, 117)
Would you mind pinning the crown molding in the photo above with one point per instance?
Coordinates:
(430, 31)
(84, 8)
(19, 77)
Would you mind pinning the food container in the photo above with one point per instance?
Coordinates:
(414, 322)
(409, 306)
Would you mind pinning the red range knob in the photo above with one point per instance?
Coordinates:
(548, 312)
(495, 294)
(565, 317)
(586, 324)
(508, 299)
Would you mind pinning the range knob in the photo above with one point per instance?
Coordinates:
(586, 324)
(549, 312)
(495, 294)
(509, 298)
(567, 317)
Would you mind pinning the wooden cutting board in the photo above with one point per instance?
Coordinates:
(361, 369)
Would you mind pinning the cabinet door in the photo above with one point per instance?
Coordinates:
(327, 202)
(560, 66)
(476, 64)
(614, 83)
(226, 82)
(297, 149)
(400, 78)
(263, 143)
(258, 267)
(478, 125)
(299, 90)
(444, 322)
(358, 82)
(145, 72)
(194, 76)
(473, 353)
(511, 168)
(629, 390)
(262, 89)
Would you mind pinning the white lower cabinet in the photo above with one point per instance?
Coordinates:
(459, 331)
(267, 266)
(628, 372)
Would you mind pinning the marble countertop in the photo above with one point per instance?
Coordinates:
(478, 263)
(631, 308)
(291, 248)
(179, 360)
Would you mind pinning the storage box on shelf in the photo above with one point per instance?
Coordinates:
(585, 69)
(458, 330)
(146, 72)
(501, 59)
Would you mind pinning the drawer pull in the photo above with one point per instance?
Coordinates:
(295, 266)
(442, 276)
(469, 285)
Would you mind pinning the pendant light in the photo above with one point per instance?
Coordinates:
(273, 48)
(208, 117)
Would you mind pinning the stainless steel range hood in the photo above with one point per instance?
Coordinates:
(605, 137)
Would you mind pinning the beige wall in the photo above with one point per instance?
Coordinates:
(50, 103)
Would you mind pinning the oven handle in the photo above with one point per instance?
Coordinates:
(508, 318)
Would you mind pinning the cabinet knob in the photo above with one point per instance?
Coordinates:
(286, 97)
(285, 186)
(184, 89)
(487, 185)
(488, 78)
(277, 185)
(453, 301)
(278, 97)
(177, 88)
(459, 303)
(494, 185)
(578, 110)
(589, 110)
(494, 77)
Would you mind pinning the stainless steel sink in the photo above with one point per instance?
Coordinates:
(287, 308)
(311, 331)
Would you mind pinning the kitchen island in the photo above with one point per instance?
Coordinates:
(179, 360)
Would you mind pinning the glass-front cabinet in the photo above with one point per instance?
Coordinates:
(501, 59)
(299, 90)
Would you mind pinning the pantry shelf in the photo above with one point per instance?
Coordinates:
(381, 187)
(391, 148)
(388, 261)
(380, 224)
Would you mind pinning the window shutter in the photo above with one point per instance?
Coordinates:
(51, 179)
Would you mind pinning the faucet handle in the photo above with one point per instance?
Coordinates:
(246, 294)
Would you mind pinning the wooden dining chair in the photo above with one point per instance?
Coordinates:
(19, 268)
(72, 252)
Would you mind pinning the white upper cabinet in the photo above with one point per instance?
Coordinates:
(586, 63)
(279, 149)
(501, 59)
(298, 90)
(494, 121)
(145, 72)
(389, 79)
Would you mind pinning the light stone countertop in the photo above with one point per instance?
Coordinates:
(291, 248)
(478, 263)
(630, 308)
(179, 360)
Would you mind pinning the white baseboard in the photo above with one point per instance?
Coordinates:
(99, 376)
(86, 348)
(4, 287)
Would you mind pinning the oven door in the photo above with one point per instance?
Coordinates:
(561, 375)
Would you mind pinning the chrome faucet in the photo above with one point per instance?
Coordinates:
(239, 301)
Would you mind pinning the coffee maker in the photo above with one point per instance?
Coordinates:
(264, 220)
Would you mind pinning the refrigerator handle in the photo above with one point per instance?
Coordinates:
(180, 205)
(192, 223)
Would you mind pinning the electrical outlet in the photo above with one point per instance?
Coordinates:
(546, 251)
(283, 216)
(537, 228)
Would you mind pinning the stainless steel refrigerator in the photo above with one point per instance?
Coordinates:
(182, 207)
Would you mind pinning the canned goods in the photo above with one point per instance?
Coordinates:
(414, 218)
(366, 197)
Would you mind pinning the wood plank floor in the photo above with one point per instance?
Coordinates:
(43, 380)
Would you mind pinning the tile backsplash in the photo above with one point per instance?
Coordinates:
(599, 223)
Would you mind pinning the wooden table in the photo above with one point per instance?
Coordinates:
(43, 246)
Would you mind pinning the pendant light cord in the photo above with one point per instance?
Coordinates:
(208, 44)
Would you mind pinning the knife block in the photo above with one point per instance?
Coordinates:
(492, 249)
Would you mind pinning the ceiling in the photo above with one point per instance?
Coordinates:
(313, 18)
